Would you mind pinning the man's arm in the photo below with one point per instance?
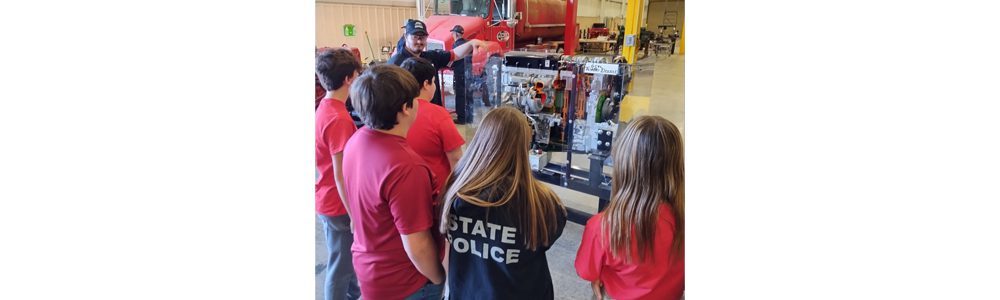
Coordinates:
(464, 50)
(338, 177)
(454, 156)
(451, 140)
(422, 251)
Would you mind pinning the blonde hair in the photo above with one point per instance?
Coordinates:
(495, 166)
(648, 170)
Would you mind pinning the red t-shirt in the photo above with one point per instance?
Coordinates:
(390, 192)
(659, 277)
(432, 136)
(333, 128)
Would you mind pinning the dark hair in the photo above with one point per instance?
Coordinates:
(421, 68)
(380, 93)
(335, 65)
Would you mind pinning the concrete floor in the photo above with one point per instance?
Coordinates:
(661, 79)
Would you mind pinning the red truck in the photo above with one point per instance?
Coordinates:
(504, 24)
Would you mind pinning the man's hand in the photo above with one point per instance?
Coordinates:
(480, 45)
(466, 49)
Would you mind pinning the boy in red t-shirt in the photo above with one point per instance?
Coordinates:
(336, 70)
(434, 135)
(390, 192)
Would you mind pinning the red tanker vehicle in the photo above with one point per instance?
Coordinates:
(504, 24)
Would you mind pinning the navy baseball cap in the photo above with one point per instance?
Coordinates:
(458, 29)
(416, 27)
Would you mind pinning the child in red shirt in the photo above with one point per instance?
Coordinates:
(434, 135)
(335, 71)
(390, 192)
(635, 247)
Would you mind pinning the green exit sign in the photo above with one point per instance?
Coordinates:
(348, 29)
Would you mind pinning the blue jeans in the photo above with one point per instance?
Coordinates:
(430, 291)
(341, 283)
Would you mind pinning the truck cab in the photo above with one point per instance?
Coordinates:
(502, 24)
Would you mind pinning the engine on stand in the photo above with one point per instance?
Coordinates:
(572, 104)
(536, 86)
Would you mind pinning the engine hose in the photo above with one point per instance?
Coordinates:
(558, 100)
(598, 114)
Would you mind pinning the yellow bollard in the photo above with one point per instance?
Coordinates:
(633, 106)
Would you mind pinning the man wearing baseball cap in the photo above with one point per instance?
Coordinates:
(416, 43)
(459, 69)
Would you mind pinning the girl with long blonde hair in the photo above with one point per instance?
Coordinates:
(499, 220)
(634, 249)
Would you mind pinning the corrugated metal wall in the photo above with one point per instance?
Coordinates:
(381, 22)
(665, 12)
